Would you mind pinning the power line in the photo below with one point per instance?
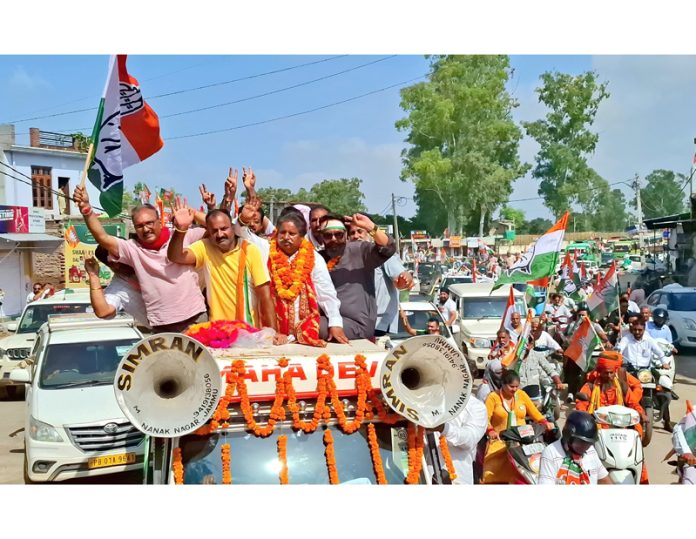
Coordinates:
(186, 90)
(287, 116)
(576, 192)
(279, 90)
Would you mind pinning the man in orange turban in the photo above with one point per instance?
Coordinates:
(610, 384)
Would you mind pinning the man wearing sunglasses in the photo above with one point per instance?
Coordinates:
(352, 269)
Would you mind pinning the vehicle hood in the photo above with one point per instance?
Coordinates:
(21, 340)
(60, 407)
(487, 327)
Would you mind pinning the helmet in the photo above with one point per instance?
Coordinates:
(582, 306)
(579, 426)
(660, 315)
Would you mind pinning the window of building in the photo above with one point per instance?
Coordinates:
(42, 197)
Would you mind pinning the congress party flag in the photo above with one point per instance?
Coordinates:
(582, 344)
(605, 297)
(126, 132)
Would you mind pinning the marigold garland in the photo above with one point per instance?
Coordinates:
(283, 458)
(226, 465)
(331, 264)
(445, 452)
(415, 453)
(178, 467)
(220, 333)
(374, 452)
(277, 410)
(330, 457)
(289, 277)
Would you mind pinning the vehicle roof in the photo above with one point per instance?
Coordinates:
(76, 296)
(472, 290)
(676, 288)
(86, 327)
(93, 335)
(418, 305)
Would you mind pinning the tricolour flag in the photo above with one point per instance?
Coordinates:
(582, 343)
(506, 323)
(511, 360)
(538, 263)
(605, 297)
(126, 132)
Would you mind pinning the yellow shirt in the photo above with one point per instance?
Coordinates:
(221, 271)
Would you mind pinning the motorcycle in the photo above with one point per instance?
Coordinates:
(525, 443)
(619, 447)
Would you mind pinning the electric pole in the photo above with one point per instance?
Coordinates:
(271, 210)
(639, 208)
(396, 227)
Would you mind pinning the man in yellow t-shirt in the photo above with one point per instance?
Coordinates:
(220, 256)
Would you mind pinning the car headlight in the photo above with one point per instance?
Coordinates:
(688, 322)
(645, 376)
(477, 342)
(43, 432)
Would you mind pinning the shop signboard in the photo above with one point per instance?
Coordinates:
(75, 256)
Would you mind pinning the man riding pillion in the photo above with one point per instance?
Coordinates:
(531, 368)
(610, 384)
(573, 460)
(640, 351)
(556, 310)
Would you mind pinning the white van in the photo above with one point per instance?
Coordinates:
(73, 424)
(480, 314)
(17, 347)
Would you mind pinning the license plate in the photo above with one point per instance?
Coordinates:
(532, 449)
(111, 460)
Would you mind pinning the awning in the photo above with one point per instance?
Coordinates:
(34, 242)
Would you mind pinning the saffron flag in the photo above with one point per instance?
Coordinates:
(538, 263)
(582, 344)
(70, 235)
(605, 297)
(126, 132)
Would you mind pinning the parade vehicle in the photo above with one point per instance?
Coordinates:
(480, 311)
(292, 414)
(587, 251)
(429, 275)
(73, 426)
(606, 258)
(17, 347)
(618, 445)
(680, 302)
(525, 444)
(624, 247)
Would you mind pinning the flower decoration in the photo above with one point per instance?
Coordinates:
(445, 452)
(283, 458)
(331, 264)
(226, 464)
(178, 467)
(289, 277)
(330, 457)
(374, 452)
(220, 333)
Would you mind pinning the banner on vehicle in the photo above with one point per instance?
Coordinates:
(81, 249)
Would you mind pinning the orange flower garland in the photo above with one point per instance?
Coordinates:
(290, 277)
(330, 457)
(277, 410)
(331, 264)
(323, 365)
(283, 458)
(445, 452)
(226, 465)
(374, 452)
(415, 453)
(178, 467)
(361, 385)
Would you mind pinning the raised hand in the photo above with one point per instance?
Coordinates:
(208, 197)
(92, 266)
(249, 179)
(183, 215)
(80, 196)
(231, 183)
(362, 221)
(404, 281)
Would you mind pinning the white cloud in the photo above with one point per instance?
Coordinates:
(23, 81)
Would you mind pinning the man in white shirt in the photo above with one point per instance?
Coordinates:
(463, 434)
(447, 307)
(640, 350)
(556, 309)
(573, 460)
(38, 292)
(541, 338)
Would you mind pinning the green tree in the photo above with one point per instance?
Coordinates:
(268, 194)
(538, 226)
(565, 139)
(514, 215)
(463, 143)
(663, 194)
(340, 196)
(609, 210)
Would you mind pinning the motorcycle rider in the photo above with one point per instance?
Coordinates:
(542, 340)
(657, 328)
(492, 379)
(610, 384)
(531, 368)
(556, 311)
(573, 460)
(515, 327)
(501, 346)
(640, 350)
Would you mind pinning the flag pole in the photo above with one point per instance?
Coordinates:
(88, 160)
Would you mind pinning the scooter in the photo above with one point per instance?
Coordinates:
(664, 393)
(618, 446)
(525, 443)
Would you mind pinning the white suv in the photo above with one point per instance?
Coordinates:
(73, 424)
(15, 348)
(680, 302)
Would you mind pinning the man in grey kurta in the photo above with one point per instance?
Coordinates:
(352, 268)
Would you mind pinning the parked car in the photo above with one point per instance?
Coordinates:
(480, 313)
(680, 302)
(73, 424)
(15, 348)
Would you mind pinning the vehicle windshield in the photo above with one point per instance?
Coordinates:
(487, 307)
(37, 315)
(634, 258)
(607, 257)
(449, 281)
(82, 364)
(426, 270)
(418, 320)
(618, 248)
(255, 460)
(681, 301)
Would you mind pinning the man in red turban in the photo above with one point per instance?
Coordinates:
(610, 384)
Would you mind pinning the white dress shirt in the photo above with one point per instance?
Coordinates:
(640, 353)
(121, 295)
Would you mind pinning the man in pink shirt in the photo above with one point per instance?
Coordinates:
(172, 297)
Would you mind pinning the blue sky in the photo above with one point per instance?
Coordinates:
(647, 123)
